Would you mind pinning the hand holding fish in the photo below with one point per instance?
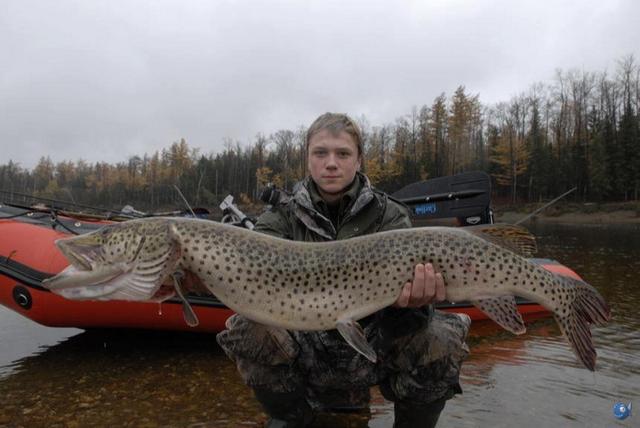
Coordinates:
(427, 287)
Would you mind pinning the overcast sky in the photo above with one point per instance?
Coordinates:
(103, 80)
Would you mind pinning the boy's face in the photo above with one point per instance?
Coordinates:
(333, 162)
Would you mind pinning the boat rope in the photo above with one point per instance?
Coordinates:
(26, 213)
(52, 214)
(56, 221)
(8, 217)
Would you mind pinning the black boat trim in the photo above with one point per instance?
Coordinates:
(28, 276)
(48, 218)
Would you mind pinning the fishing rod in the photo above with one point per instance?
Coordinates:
(448, 196)
(57, 205)
(54, 202)
(185, 200)
(525, 218)
(53, 211)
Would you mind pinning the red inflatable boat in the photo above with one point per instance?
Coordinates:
(28, 255)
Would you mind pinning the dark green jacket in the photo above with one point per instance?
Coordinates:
(363, 210)
(304, 216)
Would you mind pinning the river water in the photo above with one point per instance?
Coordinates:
(69, 378)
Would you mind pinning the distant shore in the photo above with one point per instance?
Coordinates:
(589, 213)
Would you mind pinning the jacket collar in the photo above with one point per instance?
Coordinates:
(359, 195)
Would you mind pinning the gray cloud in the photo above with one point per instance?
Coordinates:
(103, 80)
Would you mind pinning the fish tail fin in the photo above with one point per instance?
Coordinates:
(585, 306)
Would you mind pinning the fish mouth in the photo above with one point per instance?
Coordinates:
(92, 283)
(81, 251)
(78, 262)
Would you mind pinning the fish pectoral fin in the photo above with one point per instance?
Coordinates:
(189, 314)
(504, 311)
(148, 274)
(353, 333)
(164, 293)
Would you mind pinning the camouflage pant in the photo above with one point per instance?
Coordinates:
(419, 357)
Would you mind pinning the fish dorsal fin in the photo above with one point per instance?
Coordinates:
(504, 311)
(352, 332)
(516, 238)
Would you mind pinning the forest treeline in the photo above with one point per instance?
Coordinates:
(580, 130)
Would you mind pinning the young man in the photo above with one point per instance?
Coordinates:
(420, 351)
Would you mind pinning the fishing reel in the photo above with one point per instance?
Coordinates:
(271, 195)
(231, 214)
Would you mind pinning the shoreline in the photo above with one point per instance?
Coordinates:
(574, 217)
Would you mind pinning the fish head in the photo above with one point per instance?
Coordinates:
(110, 244)
(118, 243)
(128, 261)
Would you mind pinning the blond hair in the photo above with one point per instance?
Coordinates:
(336, 123)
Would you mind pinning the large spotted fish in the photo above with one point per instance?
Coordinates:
(321, 286)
